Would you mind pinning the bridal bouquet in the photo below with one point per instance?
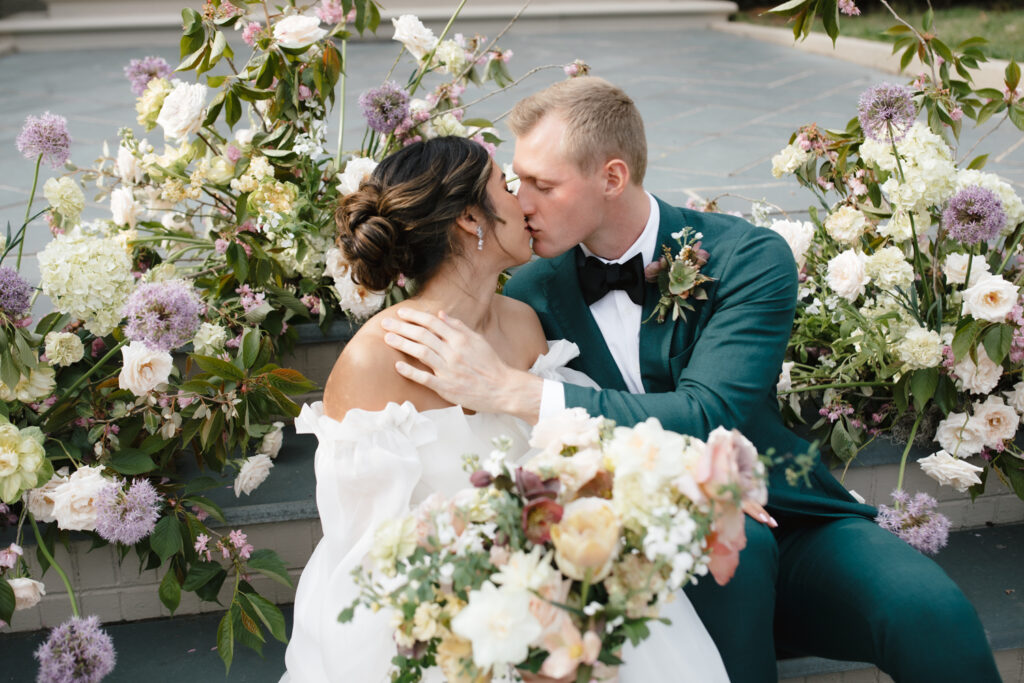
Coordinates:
(549, 568)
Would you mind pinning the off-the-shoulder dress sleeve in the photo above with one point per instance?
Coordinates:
(553, 364)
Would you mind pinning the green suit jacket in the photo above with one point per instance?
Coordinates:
(717, 366)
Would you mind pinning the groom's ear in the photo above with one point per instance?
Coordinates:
(616, 177)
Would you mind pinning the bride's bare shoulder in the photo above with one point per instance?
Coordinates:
(520, 323)
(364, 375)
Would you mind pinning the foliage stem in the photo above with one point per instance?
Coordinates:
(341, 107)
(430, 55)
(53, 563)
(836, 385)
(906, 450)
(28, 210)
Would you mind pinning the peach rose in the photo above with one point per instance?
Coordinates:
(587, 539)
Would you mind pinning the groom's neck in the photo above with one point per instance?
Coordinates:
(623, 223)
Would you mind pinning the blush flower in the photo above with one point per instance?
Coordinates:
(46, 135)
(163, 315)
(127, 516)
(141, 71)
(385, 107)
(77, 650)
(886, 112)
(974, 214)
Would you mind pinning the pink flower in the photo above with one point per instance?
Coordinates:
(221, 246)
(479, 139)
(201, 541)
(9, 555)
(331, 12)
(849, 8)
(232, 153)
(250, 33)
(567, 648)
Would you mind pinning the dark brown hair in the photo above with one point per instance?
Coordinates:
(401, 218)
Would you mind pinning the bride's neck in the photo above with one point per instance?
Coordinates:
(462, 290)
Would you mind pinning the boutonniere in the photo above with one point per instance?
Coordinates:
(678, 276)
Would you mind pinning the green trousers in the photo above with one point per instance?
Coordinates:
(845, 589)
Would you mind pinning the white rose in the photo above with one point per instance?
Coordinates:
(995, 420)
(981, 378)
(209, 339)
(950, 471)
(956, 434)
(955, 267)
(920, 348)
(182, 112)
(847, 275)
(63, 348)
(410, 32)
(356, 171)
(254, 472)
(788, 160)
(123, 208)
(846, 224)
(144, 369)
(27, 592)
(785, 382)
(798, 235)
(74, 501)
(272, 440)
(244, 136)
(127, 166)
(40, 500)
(572, 427)
(298, 31)
(1016, 397)
(356, 299)
(991, 298)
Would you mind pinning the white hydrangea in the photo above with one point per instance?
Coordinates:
(452, 56)
(87, 277)
(209, 339)
(65, 197)
(898, 227)
(1012, 204)
(888, 268)
(920, 348)
(788, 160)
(928, 169)
(846, 224)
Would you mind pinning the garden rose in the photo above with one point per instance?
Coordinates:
(572, 427)
(959, 436)
(955, 267)
(847, 275)
(846, 224)
(410, 32)
(991, 298)
(297, 31)
(587, 539)
(21, 456)
(254, 472)
(499, 624)
(798, 235)
(995, 421)
(74, 501)
(1016, 397)
(920, 348)
(63, 348)
(356, 171)
(144, 369)
(27, 592)
(182, 112)
(272, 440)
(950, 471)
(40, 500)
(980, 378)
(788, 160)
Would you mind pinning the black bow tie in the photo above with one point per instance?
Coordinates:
(597, 278)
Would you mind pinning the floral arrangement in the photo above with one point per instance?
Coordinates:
(169, 312)
(549, 568)
(909, 321)
(678, 276)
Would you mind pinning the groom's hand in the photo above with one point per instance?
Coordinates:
(464, 369)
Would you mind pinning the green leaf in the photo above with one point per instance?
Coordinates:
(170, 591)
(7, 601)
(929, 19)
(842, 442)
(200, 484)
(250, 346)
(215, 81)
(212, 427)
(1016, 114)
(232, 109)
(200, 574)
(1012, 75)
(997, 342)
(788, 7)
(830, 18)
(923, 384)
(269, 614)
(194, 59)
(206, 505)
(965, 338)
(268, 563)
(943, 51)
(226, 639)
(238, 261)
(191, 20)
(900, 393)
(945, 394)
(131, 461)
(908, 56)
(978, 162)
(166, 537)
(218, 367)
(989, 93)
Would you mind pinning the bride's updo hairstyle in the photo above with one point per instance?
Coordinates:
(402, 218)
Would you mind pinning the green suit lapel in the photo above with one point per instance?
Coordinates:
(574, 316)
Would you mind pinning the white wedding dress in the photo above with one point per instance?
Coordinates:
(374, 466)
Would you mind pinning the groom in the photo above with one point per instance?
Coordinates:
(827, 581)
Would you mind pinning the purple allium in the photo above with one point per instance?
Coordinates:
(77, 651)
(916, 521)
(973, 215)
(127, 517)
(141, 71)
(15, 293)
(385, 107)
(46, 135)
(886, 112)
(163, 315)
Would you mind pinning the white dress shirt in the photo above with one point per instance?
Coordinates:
(618, 318)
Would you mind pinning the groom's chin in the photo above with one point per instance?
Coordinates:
(545, 250)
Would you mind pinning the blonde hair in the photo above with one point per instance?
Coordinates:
(602, 123)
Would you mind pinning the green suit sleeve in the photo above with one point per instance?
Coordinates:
(737, 356)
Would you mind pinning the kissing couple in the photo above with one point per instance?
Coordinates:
(442, 373)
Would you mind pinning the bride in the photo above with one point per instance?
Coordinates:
(438, 212)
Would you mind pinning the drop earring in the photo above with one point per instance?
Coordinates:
(479, 238)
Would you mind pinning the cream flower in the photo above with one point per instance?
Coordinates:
(567, 648)
(847, 274)
(394, 540)
(920, 348)
(63, 348)
(449, 125)
(74, 501)
(526, 571)
(569, 428)
(1016, 397)
(898, 227)
(888, 268)
(40, 500)
(499, 623)
(452, 56)
(209, 339)
(586, 540)
(150, 102)
(846, 224)
(785, 382)
(995, 421)
(65, 197)
(798, 235)
(991, 298)
(144, 369)
(955, 267)
(254, 471)
(272, 440)
(123, 207)
(359, 301)
(788, 160)
(959, 436)
(410, 32)
(980, 378)
(127, 166)
(950, 471)
(298, 31)
(356, 171)
(21, 456)
(32, 388)
(182, 112)
(27, 592)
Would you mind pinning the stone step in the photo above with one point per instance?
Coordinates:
(984, 562)
(76, 24)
